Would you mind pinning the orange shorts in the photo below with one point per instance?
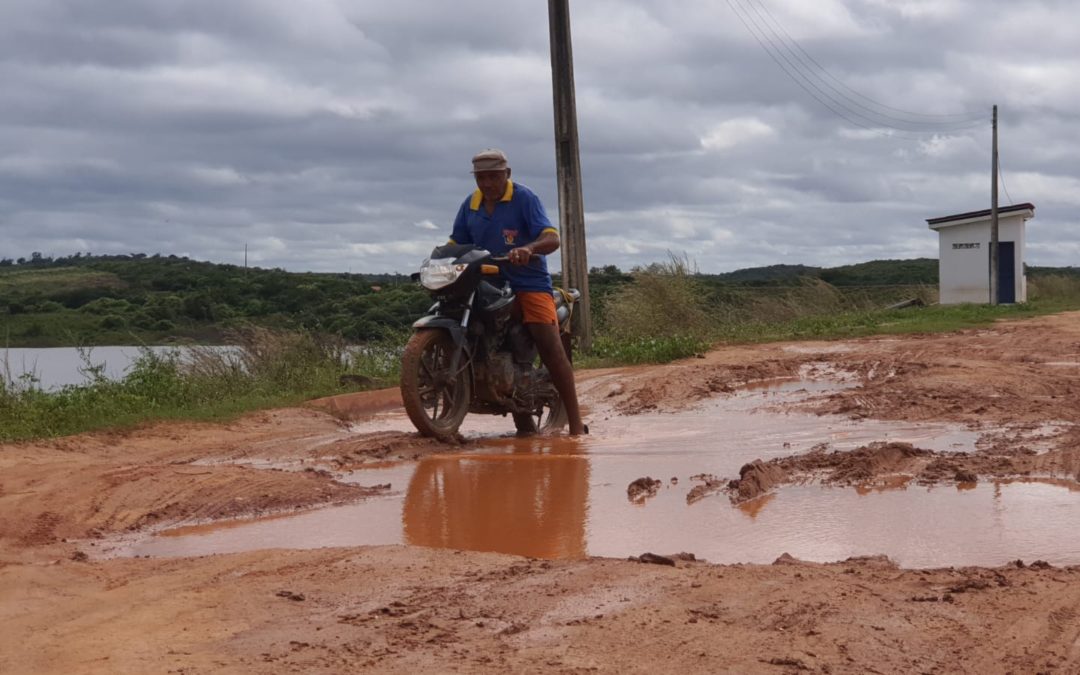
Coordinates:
(537, 307)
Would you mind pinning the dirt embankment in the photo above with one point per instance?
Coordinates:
(105, 483)
(401, 609)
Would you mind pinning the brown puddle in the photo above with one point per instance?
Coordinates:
(567, 498)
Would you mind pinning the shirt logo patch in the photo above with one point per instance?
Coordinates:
(509, 236)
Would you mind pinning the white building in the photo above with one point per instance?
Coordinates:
(964, 255)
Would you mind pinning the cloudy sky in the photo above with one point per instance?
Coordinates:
(335, 135)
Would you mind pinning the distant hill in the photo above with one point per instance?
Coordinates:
(873, 273)
(1047, 271)
(95, 300)
(764, 275)
(884, 273)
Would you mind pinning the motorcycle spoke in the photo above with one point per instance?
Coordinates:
(442, 397)
(427, 368)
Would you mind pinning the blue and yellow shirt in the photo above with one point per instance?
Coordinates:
(519, 218)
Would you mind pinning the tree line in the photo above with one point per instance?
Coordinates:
(151, 296)
(96, 299)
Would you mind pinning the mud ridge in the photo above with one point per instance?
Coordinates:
(871, 465)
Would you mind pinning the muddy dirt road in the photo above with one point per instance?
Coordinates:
(65, 609)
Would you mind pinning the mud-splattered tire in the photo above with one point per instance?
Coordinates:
(435, 402)
(550, 420)
(553, 418)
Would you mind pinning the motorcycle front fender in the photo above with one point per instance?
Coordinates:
(452, 326)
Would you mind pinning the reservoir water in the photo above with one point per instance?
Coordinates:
(53, 368)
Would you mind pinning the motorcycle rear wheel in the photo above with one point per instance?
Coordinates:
(550, 419)
(435, 399)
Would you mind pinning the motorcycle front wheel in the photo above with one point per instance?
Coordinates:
(435, 399)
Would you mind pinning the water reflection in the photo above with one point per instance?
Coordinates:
(531, 501)
(895, 482)
(754, 507)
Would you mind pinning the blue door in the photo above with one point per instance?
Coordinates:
(1006, 290)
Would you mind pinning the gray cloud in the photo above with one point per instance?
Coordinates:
(334, 135)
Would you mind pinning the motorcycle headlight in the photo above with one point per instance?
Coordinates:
(441, 272)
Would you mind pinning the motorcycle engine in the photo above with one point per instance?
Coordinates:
(502, 380)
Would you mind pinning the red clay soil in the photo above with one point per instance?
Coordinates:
(407, 609)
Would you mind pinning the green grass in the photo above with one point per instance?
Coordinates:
(813, 310)
(268, 369)
(610, 351)
(934, 319)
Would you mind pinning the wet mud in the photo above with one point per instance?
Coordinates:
(882, 464)
(642, 488)
(561, 498)
(934, 446)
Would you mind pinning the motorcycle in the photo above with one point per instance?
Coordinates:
(471, 353)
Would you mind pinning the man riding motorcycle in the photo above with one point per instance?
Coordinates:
(508, 219)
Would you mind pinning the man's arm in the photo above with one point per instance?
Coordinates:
(547, 242)
(538, 225)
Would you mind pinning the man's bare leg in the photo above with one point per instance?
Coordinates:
(549, 344)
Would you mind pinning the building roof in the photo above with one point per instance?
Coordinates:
(971, 215)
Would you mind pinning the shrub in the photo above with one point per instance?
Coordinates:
(113, 322)
(48, 307)
(106, 306)
(1054, 287)
(663, 299)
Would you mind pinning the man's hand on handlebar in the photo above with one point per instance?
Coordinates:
(520, 255)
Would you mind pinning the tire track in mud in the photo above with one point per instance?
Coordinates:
(359, 449)
(681, 385)
(1052, 629)
(1004, 375)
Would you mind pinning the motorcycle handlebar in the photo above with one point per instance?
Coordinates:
(505, 258)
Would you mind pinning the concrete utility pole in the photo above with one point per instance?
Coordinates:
(575, 266)
(994, 218)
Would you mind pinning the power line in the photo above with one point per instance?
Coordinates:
(1001, 176)
(811, 78)
(800, 72)
(796, 80)
(930, 118)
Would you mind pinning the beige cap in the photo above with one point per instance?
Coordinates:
(489, 160)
